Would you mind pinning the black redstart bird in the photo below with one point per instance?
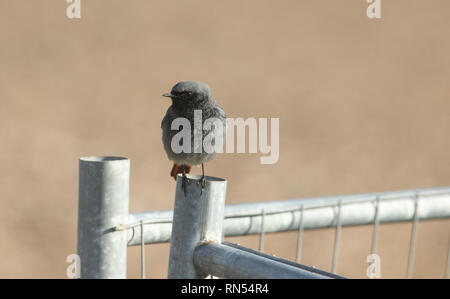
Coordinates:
(189, 98)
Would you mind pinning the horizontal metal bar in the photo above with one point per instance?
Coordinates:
(288, 262)
(229, 262)
(245, 219)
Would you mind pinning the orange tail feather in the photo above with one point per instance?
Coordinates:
(176, 169)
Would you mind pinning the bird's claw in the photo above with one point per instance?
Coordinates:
(203, 180)
(202, 183)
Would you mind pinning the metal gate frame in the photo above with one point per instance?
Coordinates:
(105, 228)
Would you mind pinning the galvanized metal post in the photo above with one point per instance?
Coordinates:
(103, 204)
(198, 217)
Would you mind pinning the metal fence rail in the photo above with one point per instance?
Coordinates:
(321, 212)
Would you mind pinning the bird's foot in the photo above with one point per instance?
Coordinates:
(202, 181)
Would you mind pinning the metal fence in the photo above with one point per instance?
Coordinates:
(197, 247)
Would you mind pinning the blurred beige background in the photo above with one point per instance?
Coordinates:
(363, 107)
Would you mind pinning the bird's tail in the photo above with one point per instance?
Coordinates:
(176, 169)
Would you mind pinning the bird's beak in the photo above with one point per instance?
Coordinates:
(167, 95)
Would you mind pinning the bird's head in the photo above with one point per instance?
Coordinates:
(189, 93)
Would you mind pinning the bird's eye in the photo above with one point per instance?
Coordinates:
(184, 93)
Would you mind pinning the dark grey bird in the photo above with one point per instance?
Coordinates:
(187, 97)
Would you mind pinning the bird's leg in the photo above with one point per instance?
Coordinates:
(203, 179)
(183, 182)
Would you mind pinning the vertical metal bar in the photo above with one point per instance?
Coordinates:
(337, 238)
(103, 204)
(261, 236)
(376, 224)
(412, 244)
(447, 269)
(300, 236)
(142, 251)
(198, 217)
